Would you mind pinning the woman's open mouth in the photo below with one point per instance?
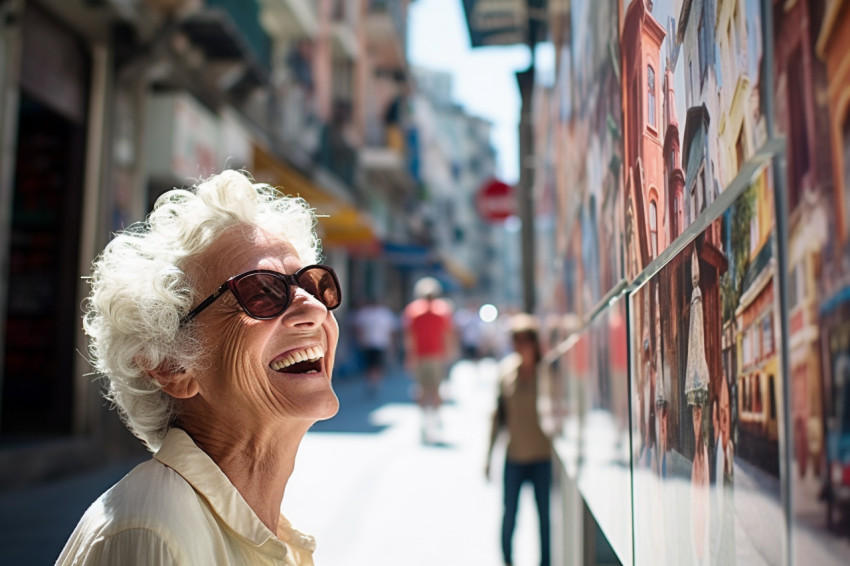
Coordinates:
(308, 360)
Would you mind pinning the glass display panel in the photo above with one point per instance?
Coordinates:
(811, 86)
(589, 183)
(604, 465)
(692, 113)
(706, 394)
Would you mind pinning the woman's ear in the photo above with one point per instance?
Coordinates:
(178, 382)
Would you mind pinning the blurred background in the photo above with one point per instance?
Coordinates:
(582, 160)
(378, 112)
(106, 104)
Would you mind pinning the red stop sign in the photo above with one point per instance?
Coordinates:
(495, 201)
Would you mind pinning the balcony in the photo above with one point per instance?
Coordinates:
(288, 20)
(335, 155)
(386, 25)
(229, 34)
(384, 163)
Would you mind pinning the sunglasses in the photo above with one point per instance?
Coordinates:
(264, 294)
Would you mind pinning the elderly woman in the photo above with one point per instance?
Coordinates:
(212, 325)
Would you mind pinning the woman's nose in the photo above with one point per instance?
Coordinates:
(305, 310)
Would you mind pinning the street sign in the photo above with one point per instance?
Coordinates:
(495, 201)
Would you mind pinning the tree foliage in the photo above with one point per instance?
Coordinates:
(736, 234)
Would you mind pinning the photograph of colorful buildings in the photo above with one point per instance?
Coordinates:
(705, 399)
(694, 171)
(588, 185)
(692, 113)
(811, 85)
(697, 158)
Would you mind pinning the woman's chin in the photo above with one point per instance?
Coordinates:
(322, 406)
(331, 409)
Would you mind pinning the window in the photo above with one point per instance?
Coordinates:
(705, 39)
(693, 205)
(798, 135)
(675, 225)
(740, 152)
(680, 212)
(650, 103)
(771, 391)
(636, 117)
(767, 335)
(754, 234)
(653, 227)
(702, 40)
(794, 291)
(845, 139)
(753, 343)
(692, 89)
(735, 24)
(730, 40)
(750, 354)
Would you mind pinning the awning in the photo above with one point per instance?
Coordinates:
(452, 273)
(456, 269)
(408, 256)
(841, 298)
(341, 224)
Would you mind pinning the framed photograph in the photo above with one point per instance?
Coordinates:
(590, 182)
(604, 467)
(706, 394)
(691, 113)
(812, 86)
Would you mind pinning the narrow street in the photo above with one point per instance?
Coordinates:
(373, 493)
(365, 485)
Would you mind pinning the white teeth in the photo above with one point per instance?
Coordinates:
(313, 353)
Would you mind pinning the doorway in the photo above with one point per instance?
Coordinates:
(41, 314)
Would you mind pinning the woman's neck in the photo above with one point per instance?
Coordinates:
(258, 466)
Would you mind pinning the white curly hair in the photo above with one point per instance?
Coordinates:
(140, 292)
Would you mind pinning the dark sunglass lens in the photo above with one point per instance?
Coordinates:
(263, 295)
(321, 283)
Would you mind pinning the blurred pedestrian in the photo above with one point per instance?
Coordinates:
(468, 325)
(528, 456)
(430, 343)
(375, 326)
(722, 527)
(211, 324)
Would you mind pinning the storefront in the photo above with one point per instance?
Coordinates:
(46, 177)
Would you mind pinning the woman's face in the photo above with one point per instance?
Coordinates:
(241, 381)
(526, 346)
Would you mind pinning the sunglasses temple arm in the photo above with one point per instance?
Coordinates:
(204, 304)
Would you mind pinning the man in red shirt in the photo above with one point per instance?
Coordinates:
(429, 345)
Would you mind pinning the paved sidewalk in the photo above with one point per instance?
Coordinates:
(388, 499)
(36, 522)
(364, 484)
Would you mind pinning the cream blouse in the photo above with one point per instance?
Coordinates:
(180, 508)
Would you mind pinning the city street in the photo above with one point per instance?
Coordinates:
(365, 485)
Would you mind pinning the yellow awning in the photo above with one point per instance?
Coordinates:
(463, 274)
(341, 224)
